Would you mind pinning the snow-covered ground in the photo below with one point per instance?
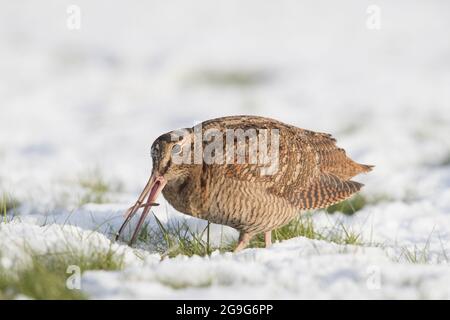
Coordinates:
(74, 102)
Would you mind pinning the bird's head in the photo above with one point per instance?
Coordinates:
(171, 153)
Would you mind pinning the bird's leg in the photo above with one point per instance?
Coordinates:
(244, 239)
(268, 238)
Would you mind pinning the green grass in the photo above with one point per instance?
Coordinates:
(357, 202)
(46, 275)
(303, 226)
(422, 254)
(38, 281)
(177, 238)
(349, 206)
(230, 78)
(7, 203)
(178, 284)
(415, 255)
(96, 188)
(341, 235)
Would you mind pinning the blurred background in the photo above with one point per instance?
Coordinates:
(86, 86)
(81, 104)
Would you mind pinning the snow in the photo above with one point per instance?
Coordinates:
(75, 101)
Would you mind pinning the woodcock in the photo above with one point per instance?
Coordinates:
(310, 172)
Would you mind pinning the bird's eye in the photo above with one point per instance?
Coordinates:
(176, 149)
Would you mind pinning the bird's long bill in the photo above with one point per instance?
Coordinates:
(153, 188)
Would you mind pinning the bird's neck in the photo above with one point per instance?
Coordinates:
(177, 185)
(185, 195)
(176, 192)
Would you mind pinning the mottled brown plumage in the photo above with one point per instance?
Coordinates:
(312, 173)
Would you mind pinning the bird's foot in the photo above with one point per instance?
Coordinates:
(268, 238)
(244, 239)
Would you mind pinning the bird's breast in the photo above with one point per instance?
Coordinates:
(183, 195)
